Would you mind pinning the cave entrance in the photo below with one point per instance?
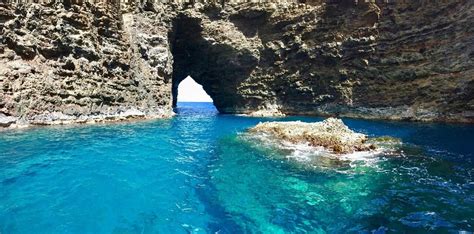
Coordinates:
(189, 90)
(219, 67)
(192, 81)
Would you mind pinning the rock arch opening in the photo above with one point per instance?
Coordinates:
(190, 91)
(215, 64)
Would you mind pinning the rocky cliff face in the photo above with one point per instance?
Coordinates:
(390, 61)
(81, 64)
(87, 63)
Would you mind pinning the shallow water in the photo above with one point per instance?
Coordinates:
(194, 174)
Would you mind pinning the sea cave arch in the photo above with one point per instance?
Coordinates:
(190, 91)
(219, 67)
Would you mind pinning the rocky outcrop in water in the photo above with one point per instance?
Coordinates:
(87, 62)
(331, 134)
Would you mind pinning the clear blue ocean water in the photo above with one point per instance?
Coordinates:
(193, 174)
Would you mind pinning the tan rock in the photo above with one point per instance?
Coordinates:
(332, 134)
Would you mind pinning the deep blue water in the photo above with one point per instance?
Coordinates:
(193, 174)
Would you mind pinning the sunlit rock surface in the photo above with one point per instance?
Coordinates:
(81, 64)
(331, 134)
(325, 145)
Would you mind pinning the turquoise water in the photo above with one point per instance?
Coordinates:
(194, 174)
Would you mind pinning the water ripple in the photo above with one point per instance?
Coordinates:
(194, 174)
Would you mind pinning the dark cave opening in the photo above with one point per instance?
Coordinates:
(218, 67)
(189, 54)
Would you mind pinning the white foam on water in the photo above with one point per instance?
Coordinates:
(307, 153)
(366, 156)
(314, 156)
(303, 152)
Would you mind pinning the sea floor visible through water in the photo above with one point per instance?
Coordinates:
(194, 173)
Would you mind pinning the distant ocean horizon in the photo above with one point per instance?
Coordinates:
(195, 101)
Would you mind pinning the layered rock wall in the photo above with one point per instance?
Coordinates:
(81, 64)
(392, 61)
(404, 60)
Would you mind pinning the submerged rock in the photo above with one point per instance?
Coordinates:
(331, 134)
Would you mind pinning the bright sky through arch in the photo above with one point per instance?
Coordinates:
(190, 91)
